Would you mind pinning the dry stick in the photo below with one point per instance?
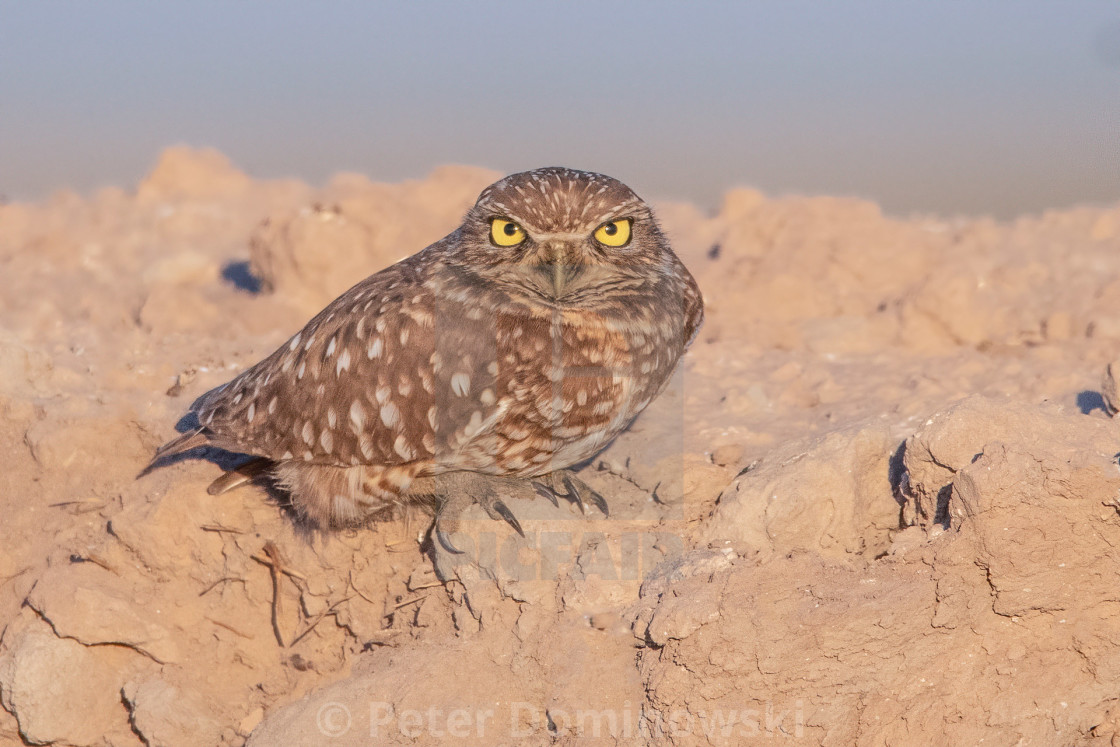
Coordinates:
(320, 616)
(219, 528)
(407, 602)
(212, 586)
(274, 569)
(80, 507)
(358, 591)
(230, 628)
(396, 546)
(16, 575)
(98, 561)
(267, 560)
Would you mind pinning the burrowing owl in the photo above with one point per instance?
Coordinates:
(514, 348)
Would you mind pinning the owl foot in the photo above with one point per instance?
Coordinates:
(563, 484)
(463, 490)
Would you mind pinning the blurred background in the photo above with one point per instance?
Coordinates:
(999, 107)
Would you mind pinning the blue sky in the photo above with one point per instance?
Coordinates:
(998, 106)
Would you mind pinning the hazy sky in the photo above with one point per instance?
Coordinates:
(996, 106)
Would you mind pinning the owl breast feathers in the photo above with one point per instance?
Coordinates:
(517, 346)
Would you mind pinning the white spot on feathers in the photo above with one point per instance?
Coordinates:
(357, 416)
(390, 415)
(461, 384)
(474, 425)
(401, 447)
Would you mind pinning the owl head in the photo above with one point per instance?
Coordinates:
(560, 234)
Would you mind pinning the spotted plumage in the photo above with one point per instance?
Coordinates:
(471, 356)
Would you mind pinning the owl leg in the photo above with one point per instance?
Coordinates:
(564, 484)
(330, 497)
(459, 491)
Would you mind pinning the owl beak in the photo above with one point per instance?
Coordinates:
(562, 276)
(559, 269)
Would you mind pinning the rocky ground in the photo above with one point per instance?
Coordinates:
(879, 505)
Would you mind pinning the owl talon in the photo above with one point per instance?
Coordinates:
(573, 489)
(599, 501)
(546, 492)
(444, 540)
(503, 512)
(581, 493)
(553, 494)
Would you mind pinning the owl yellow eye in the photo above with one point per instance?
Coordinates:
(615, 233)
(506, 233)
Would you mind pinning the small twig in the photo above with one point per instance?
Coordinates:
(219, 528)
(15, 575)
(90, 506)
(433, 585)
(406, 602)
(91, 558)
(328, 611)
(397, 546)
(267, 560)
(275, 565)
(230, 628)
(212, 586)
(350, 578)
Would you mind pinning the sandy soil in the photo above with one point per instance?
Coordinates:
(879, 505)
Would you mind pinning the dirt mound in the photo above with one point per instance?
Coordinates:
(884, 478)
(1011, 601)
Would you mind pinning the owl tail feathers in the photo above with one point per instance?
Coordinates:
(239, 476)
(185, 442)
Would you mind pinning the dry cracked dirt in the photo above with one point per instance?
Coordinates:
(879, 505)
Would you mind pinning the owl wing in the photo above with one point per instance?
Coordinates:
(692, 302)
(352, 387)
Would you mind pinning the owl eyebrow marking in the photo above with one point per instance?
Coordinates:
(560, 235)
